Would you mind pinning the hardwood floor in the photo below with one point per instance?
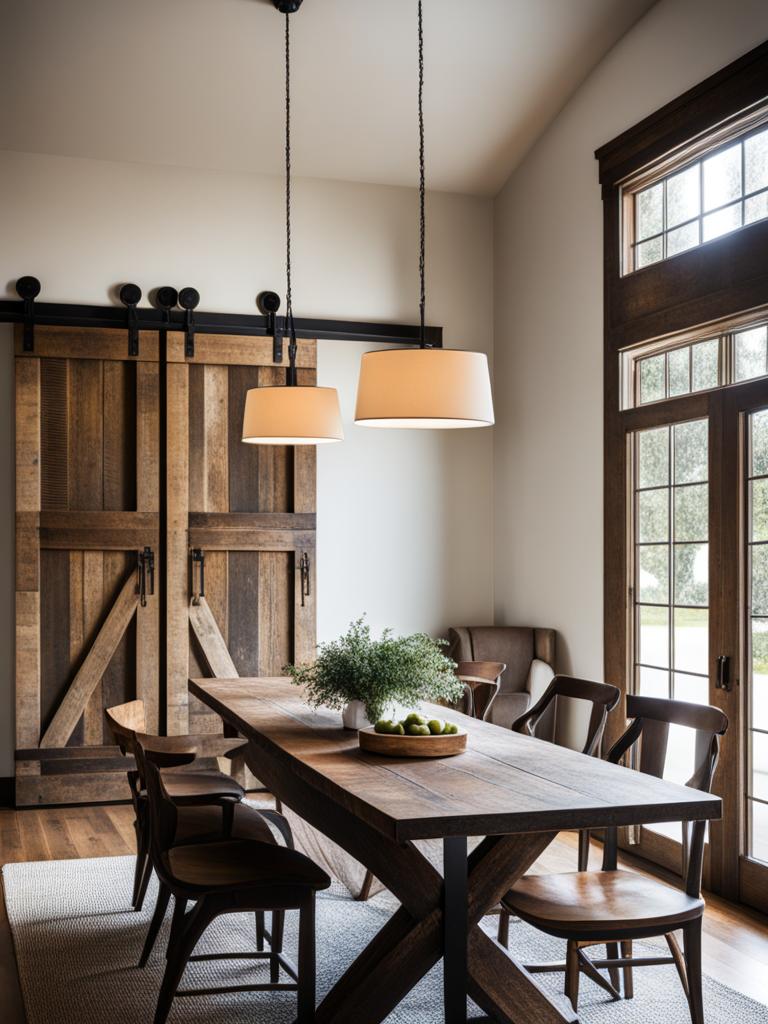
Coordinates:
(735, 939)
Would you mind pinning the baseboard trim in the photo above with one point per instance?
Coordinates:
(7, 791)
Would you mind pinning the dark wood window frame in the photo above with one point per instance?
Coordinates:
(711, 282)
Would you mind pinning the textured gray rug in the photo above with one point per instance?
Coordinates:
(77, 946)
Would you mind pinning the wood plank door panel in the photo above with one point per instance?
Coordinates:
(248, 510)
(87, 421)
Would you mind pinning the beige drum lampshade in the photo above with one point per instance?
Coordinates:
(424, 387)
(292, 415)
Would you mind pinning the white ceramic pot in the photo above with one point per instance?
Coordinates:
(353, 716)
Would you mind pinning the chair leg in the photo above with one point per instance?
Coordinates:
(503, 935)
(629, 984)
(572, 974)
(141, 861)
(614, 973)
(692, 946)
(144, 885)
(583, 862)
(276, 945)
(177, 923)
(260, 931)
(163, 895)
(195, 924)
(307, 967)
(365, 889)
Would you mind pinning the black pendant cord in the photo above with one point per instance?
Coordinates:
(422, 241)
(291, 376)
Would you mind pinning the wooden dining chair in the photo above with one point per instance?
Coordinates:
(188, 788)
(542, 721)
(613, 907)
(228, 877)
(482, 681)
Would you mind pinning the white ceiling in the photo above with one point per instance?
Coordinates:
(199, 83)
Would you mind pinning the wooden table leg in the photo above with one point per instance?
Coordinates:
(455, 929)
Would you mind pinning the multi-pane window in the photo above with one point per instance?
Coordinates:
(724, 190)
(757, 636)
(671, 572)
(656, 372)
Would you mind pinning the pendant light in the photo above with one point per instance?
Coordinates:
(293, 414)
(424, 387)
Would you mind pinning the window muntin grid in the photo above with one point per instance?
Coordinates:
(662, 370)
(697, 202)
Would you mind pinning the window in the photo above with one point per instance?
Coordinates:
(669, 368)
(726, 189)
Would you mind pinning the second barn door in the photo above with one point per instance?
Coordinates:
(241, 526)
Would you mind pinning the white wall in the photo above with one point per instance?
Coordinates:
(404, 517)
(548, 444)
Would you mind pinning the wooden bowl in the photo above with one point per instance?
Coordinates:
(412, 746)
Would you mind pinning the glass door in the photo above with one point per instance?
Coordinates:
(670, 577)
(745, 508)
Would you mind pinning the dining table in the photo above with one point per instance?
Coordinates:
(514, 791)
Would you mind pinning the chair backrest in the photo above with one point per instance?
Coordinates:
(650, 726)
(538, 721)
(124, 721)
(515, 646)
(162, 810)
(482, 680)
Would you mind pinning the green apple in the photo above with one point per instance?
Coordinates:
(414, 719)
(384, 725)
(436, 726)
(397, 729)
(414, 729)
(450, 729)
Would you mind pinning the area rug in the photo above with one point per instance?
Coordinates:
(77, 945)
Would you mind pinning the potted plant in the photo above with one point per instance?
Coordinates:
(364, 677)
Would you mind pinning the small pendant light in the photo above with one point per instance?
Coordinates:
(293, 414)
(424, 387)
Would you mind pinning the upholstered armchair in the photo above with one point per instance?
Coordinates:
(528, 653)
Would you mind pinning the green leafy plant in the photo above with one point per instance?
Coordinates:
(380, 673)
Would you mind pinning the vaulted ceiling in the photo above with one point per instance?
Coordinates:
(199, 83)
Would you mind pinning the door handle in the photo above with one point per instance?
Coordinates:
(304, 571)
(723, 678)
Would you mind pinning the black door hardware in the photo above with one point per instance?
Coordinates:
(28, 288)
(189, 299)
(723, 679)
(146, 573)
(165, 299)
(130, 296)
(198, 575)
(304, 571)
(269, 303)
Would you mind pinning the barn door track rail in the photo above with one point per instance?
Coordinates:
(164, 316)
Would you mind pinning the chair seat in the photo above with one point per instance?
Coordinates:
(237, 864)
(201, 787)
(206, 824)
(589, 904)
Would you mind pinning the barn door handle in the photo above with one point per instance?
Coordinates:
(723, 679)
(198, 575)
(146, 572)
(28, 288)
(304, 570)
(188, 300)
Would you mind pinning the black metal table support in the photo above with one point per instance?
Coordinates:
(455, 929)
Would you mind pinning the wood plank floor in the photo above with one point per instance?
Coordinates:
(735, 939)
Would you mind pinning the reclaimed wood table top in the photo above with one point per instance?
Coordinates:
(504, 783)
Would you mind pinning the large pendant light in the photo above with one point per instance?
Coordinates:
(424, 387)
(293, 414)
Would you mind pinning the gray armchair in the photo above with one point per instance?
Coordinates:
(529, 654)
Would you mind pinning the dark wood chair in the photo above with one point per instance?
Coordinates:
(482, 681)
(228, 877)
(613, 907)
(541, 721)
(187, 788)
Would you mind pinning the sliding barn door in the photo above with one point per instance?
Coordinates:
(87, 500)
(241, 526)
